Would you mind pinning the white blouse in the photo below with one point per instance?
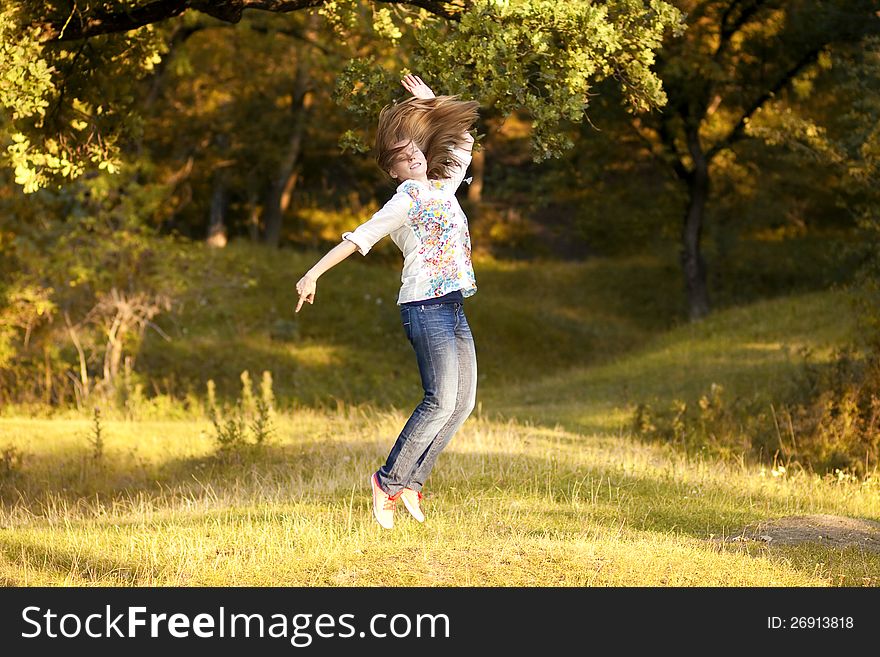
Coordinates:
(428, 225)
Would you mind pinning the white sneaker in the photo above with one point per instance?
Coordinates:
(383, 504)
(411, 500)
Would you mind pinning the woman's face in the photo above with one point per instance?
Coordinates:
(410, 163)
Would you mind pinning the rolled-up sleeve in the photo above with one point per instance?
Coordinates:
(463, 156)
(386, 220)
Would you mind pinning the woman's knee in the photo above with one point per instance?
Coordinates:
(468, 401)
(467, 406)
(440, 405)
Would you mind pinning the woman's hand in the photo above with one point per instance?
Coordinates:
(415, 85)
(307, 286)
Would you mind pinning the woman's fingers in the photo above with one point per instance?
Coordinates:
(306, 289)
(305, 296)
(417, 87)
(412, 82)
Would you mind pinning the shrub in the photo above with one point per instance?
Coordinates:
(247, 413)
(11, 459)
(96, 438)
(828, 422)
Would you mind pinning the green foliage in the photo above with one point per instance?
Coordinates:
(248, 412)
(261, 425)
(537, 56)
(83, 281)
(710, 422)
(229, 432)
(828, 422)
(11, 459)
(860, 139)
(26, 79)
(70, 106)
(837, 420)
(96, 437)
(74, 105)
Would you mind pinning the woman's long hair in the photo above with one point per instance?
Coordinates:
(436, 125)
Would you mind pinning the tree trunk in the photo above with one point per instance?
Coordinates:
(693, 265)
(217, 224)
(478, 167)
(281, 191)
(253, 224)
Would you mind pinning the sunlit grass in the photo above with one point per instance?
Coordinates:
(753, 351)
(542, 486)
(510, 503)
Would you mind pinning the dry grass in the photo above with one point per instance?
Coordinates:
(510, 503)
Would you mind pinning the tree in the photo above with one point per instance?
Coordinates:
(736, 58)
(70, 72)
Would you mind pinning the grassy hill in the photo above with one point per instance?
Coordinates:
(542, 486)
(532, 321)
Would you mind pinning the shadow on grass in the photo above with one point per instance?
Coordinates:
(65, 562)
(531, 323)
(554, 498)
(751, 352)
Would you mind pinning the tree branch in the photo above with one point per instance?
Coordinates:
(738, 130)
(728, 29)
(668, 139)
(81, 25)
(296, 34)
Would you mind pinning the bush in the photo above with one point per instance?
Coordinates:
(838, 426)
(80, 284)
(248, 413)
(830, 422)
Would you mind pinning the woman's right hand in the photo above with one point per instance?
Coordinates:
(416, 86)
(307, 286)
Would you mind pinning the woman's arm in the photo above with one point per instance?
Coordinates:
(307, 284)
(386, 220)
(468, 142)
(462, 152)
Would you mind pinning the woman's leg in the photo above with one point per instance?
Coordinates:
(464, 403)
(432, 332)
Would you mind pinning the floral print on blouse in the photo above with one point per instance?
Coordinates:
(430, 228)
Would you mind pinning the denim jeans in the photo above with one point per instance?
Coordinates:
(447, 360)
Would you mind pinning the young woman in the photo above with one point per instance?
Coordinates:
(424, 145)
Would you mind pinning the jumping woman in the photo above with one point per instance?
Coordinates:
(424, 144)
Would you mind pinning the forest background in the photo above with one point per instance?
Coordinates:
(698, 177)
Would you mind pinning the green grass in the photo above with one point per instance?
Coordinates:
(509, 504)
(542, 486)
(750, 350)
(530, 320)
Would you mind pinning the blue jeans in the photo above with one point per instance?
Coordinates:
(447, 362)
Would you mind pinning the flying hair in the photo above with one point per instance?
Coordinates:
(436, 125)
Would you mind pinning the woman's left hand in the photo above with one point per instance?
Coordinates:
(307, 288)
(415, 85)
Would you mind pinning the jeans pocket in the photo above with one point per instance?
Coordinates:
(407, 322)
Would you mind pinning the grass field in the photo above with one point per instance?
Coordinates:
(542, 486)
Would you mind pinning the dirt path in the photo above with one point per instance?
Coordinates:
(834, 531)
